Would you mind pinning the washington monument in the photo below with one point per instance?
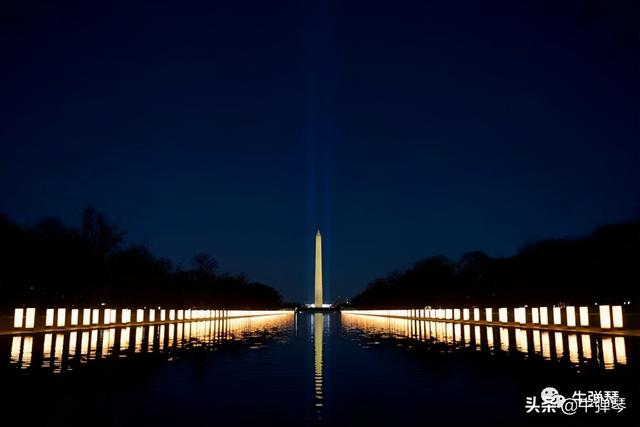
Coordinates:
(318, 277)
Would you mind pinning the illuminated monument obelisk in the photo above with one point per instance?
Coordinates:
(318, 278)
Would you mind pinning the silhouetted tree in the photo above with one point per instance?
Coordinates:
(205, 265)
(51, 263)
(601, 267)
(471, 268)
(101, 236)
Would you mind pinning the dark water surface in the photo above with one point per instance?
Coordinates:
(309, 369)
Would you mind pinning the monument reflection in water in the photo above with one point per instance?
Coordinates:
(338, 369)
(318, 332)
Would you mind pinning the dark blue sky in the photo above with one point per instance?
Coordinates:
(401, 129)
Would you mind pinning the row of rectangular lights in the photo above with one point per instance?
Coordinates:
(26, 318)
(610, 316)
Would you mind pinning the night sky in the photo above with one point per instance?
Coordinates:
(400, 129)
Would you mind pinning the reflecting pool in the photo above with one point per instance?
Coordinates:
(309, 369)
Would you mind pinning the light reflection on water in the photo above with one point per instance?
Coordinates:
(59, 352)
(318, 378)
(576, 348)
(318, 332)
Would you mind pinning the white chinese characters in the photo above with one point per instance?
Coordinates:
(551, 401)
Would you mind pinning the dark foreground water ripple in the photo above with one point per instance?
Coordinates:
(308, 369)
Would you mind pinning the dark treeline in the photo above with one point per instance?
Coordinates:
(51, 263)
(603, 267)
